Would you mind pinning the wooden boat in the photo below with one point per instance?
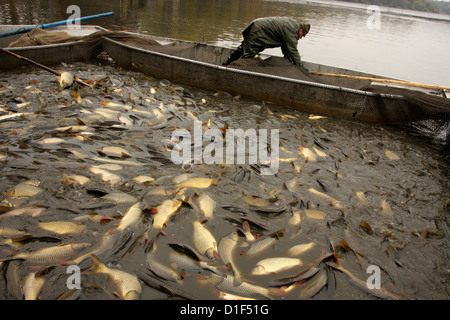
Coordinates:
(200, 65)
(52, 53)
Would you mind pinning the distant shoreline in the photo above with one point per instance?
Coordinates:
(385, 10)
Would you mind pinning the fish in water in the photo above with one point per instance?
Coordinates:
(295, 219)
(391, 155)
(207, 205)
(247, 232)
(275, 264)
(246, 289)
(164, 212)
(55, 254)
(227, 246)
(11, 232)
(199, 183)
(324, 196)
(13, 279)
(386, 208)
(204, 241)
(314, 285)
(127, 284)
(26, 211)
(23, 190)
(14, 116)
(131, 217)
(361, 197)
(114, 151)
(65, 80)
(119, 197)
(32, 285)
(308, 154)
(256, 201)
(106, 175)
(162, 215)
(160, 269)
(108, 241)
(183, 257)
(74, 178)
(300, 249)
(315, 214)
(380, 293)
(62, 227)
(143, 179)
(261, 245)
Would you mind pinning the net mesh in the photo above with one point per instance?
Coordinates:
(429, 113)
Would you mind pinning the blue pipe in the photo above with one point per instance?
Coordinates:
(54, 24)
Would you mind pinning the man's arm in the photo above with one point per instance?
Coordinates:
(290, 51)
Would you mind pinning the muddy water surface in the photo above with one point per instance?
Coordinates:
(369, 195)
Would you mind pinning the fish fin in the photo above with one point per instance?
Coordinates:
(277, 292)
(42, 271)
(246, 225)
(34, 268)
(334, 265)
(105, 219)
(96, 263)
(150, 238)
(7, 251)
(116, 295)
(68, 262)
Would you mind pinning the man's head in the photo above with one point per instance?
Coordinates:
(304, 29)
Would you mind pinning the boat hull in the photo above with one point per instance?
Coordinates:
(301, 95)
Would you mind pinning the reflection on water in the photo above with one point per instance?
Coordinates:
(408, 48)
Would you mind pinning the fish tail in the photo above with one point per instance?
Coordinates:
(96, 263)
(150, 237)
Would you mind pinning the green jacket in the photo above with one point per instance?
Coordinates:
(272, 32)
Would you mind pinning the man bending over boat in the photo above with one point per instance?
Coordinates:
(271, 32)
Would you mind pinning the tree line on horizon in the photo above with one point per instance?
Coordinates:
(419, 5)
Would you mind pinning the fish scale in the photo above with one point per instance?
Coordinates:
(204, 240)
(50, 255)
(126, 283)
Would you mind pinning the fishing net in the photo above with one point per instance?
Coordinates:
(428, 113)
